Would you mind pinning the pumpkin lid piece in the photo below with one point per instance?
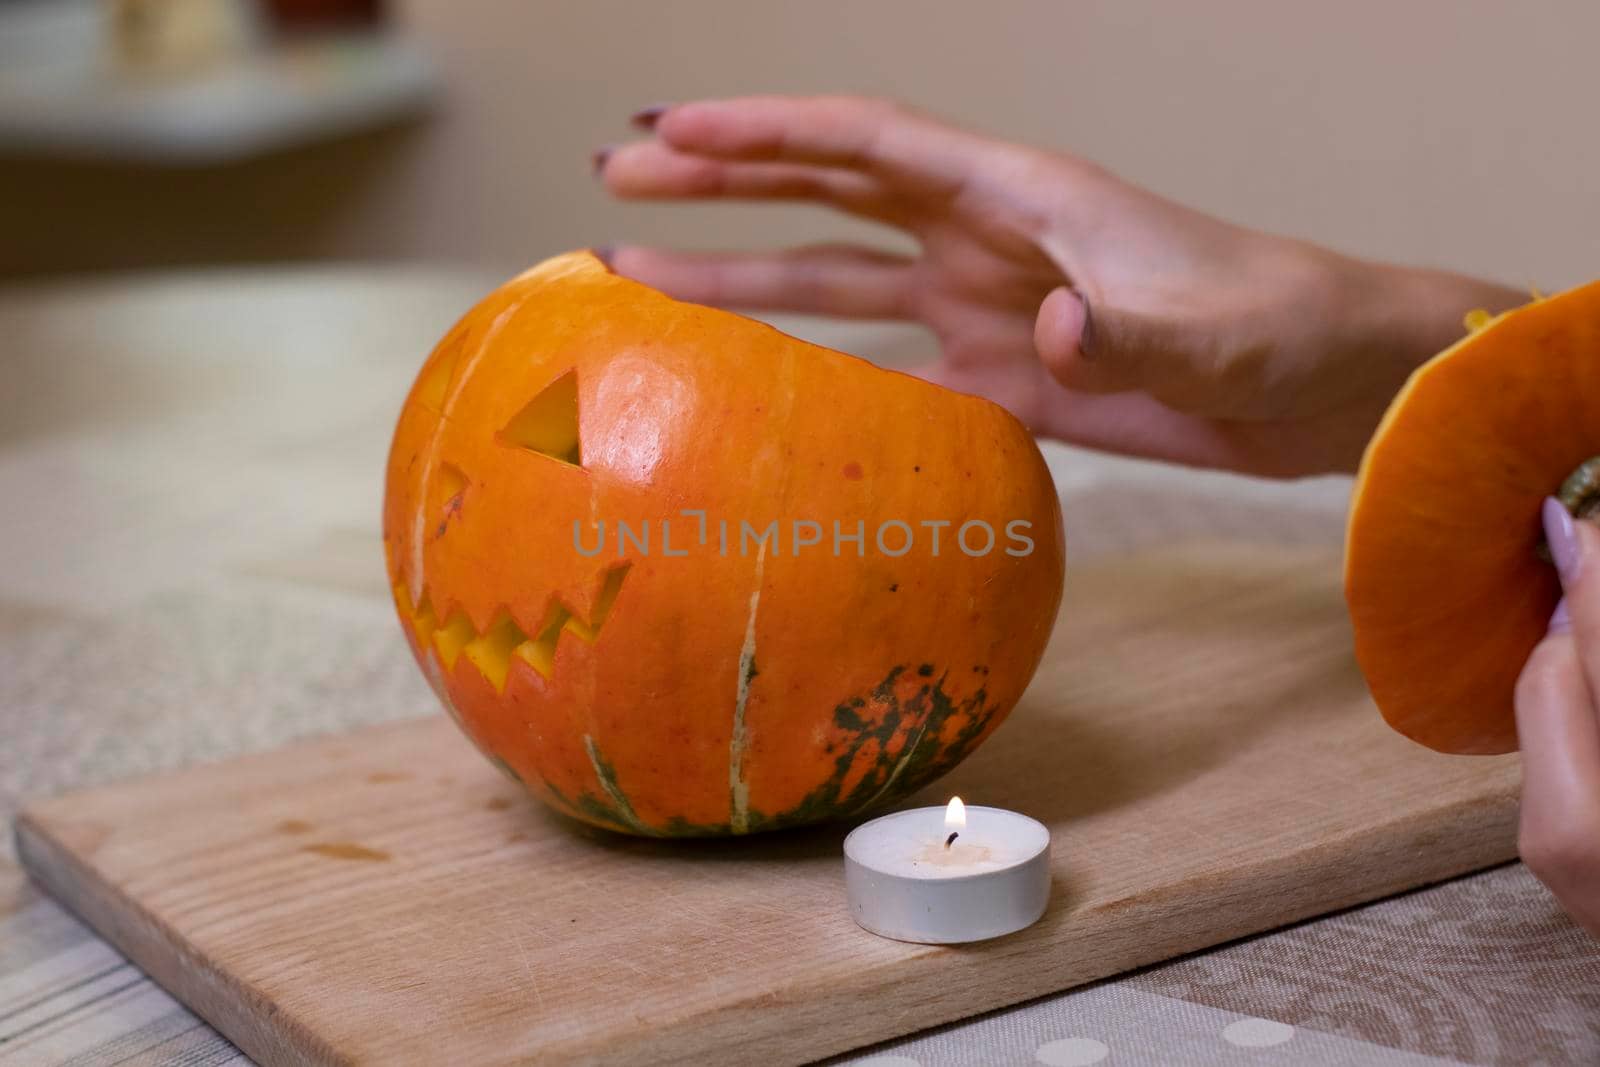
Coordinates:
(1446, 576)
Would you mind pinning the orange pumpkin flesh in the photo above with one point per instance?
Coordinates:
(674, 687)
(1447, 588)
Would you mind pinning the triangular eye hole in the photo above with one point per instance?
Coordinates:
(548, 424)
(434, 383)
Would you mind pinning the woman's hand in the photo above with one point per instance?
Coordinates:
(1558, 725)
(1098, 312)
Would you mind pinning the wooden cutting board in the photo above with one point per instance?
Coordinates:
(1198, 739)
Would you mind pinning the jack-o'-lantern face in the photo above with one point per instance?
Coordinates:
(682, 574)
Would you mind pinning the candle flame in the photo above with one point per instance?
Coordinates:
(955, 815)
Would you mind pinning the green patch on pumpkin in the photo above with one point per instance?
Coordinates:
(926, 755)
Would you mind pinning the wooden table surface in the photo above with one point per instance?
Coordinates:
(192, 469)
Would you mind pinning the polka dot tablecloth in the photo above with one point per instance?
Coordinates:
(1115, 1024)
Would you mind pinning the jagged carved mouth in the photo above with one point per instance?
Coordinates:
(547, 425)
(493, 650)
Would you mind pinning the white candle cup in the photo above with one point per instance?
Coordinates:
(904, 881)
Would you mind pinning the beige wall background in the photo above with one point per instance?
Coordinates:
(1454, 133)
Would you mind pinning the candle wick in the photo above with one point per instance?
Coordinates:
(951, 839)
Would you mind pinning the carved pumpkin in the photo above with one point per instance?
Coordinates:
(610, 528)
(1446, 576)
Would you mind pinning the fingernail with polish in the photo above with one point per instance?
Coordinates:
(597, 158)
(647, 117)
(1086, 336)
(1560, 533)
(1561, 619)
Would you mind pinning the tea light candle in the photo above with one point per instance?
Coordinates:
(942, 876)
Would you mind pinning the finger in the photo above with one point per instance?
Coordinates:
(1559, 736)
(650, 170)
(874, 136)
(841, 280)
(1136, 424)
(1129, 424)
(1559, 835)
(1063, 336)
(1581, 586)
(1093, 348)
